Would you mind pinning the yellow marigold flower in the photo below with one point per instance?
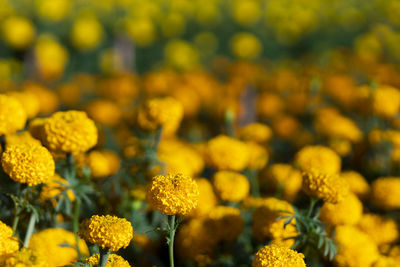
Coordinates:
(181, 54)
(20, 138)
(12, 115)
(395, 252)
(358, 184)
(54, 187)
(382, 230)
(122, 88)
(283, 177)
(70, 132)
(269, 105)
(173, 194)
(273, 255)
(8, 243)
(25, 257)
(50, 244)
(256, 132)
(355, 248)
(329, 187)
(48, 99)
(224, 223)
(245, 45)
(386, 101)
(226, 153)
(384, 261)
(28, 163)
(165, 112)
(105, 112)
(18, 32)
(266, 223)
(231, 186)
(341, 146)
(258, 156)
(385, 192)
(246, 12)
(142, 30)
(113, 260)
(30, 102)
(70, 93)
(318, 157)
(54, 10)
(103, 163)
(107, 232)
(207, 198)
(180, 157)
(86, 32)
(347, 211)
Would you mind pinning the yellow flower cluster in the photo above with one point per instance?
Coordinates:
(57, 246)
(348, 211)
(8, 244)
(224, 223)
(28, 163)
(30, 102)
(10, 124)
(384, 192)
(258, 156)
(207, 198)
(320, 158)
(380, 229)
(255, 132)
(274, 255)
(69, 132)
(357, 183)
(173, 194)
(386, 101)
(103, 163)
(231, 186)
(105, 112)
(114, 260)
(107, 231)
(25, 257)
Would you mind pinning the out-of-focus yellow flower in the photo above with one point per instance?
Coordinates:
(48, 100)
(286, 127)
(358, 184)
(29, 101)
(207, 198)
(113, 260)
(69, 132)
(103, 163)
(329, 187)
(18, 32)
(386, 101)
(258, 156)
(86, 32)
(347, 211)
(70, 94)
(227, 153)
(122, 88)
(246, 12)
(8, 244)
(53, 10)
(224, 223)
(28, 163)
(51, 244)
(256, 132)
(384, 192)
(231, 186)
(111, 61)
(384, 261)
(107, 231)
(206, 43)
(12, 115)
(181, 55)
(173, 194)
(51, 57)
(25, 257)
(52, 189)
(142, 30)
(173, 24)
(275, 255)
(270, 105)
(382, 230)
(245, 46)
(320, 158)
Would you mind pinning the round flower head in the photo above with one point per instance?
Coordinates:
(255, 132)
(8, 243)
(103, 163)
(382, 230)
(25, 257)
(227, 153)
(348, 211)
(231, 186)
(12, 115)
(20, 138)
(166, 112)
(329, 187)
(386, 101)
(49, 243)
(29, 101)
(224, 223)
(28, 163)
(18, 32)
(274, 255)
(70, 132)
(385, 192)
(107, 232)
(384, 261)
(48, 99)
(173, 194)
(258, 156)
(113, 260)
(207, 198)
(320, 158)
(105, 112)
(358, 184)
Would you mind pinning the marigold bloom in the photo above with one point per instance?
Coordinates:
(382, 230)
(20, 138)
(385, 192)
(226, 153)
(86, 32)
(29, 101)
(12, 115)
(53, 188)
(173, 194)
(113, 260)
(70, 132)
(107, 232)
(105, 112)
(103, 163)
(258, 156)
(48, 99)
(165, 112)
(25, 257)
(386, 101)
(384, 261)
(51, 245)
(245, 46)
(329, 187)
(231, 186)
(358, 184)
(224, 223)
(347, 211)
(28, 163)
(18, 32)
(273, 255)
(255, 132)
(207, 198)
(320, 158)
(8, 243)
(267, 225)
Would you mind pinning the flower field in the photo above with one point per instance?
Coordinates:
(235, 133)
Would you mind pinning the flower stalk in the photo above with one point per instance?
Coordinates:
(29, 231)
(170, 239)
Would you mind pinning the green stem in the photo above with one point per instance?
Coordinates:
(15, 224)
(172, 230)
(29, 231)
(254, 185)
(229, 123)
(313, 201)
(157, 138)
(70, 166)
(104, 253)
(75, 226)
